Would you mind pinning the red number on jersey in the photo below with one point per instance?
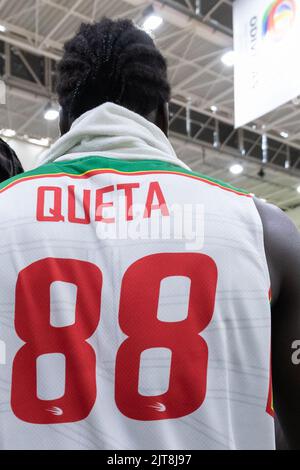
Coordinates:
(138, 320)
(32, 323)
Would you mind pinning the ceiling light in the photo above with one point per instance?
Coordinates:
(236, 169)
(298, 189)
(284, 134)
(228, 58)
(214, 108)
(2, 28)
(51, 113)
(44, 142)
(8, 132)
(152, 22)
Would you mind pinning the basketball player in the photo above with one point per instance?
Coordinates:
(9, 162)
(112, 338)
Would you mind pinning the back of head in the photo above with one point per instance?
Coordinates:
(9, 163)
(111, 61)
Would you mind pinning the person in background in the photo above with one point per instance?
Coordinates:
(10, 165)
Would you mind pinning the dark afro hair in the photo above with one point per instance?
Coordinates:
(112, 61)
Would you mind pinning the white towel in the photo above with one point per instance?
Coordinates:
(114, 132)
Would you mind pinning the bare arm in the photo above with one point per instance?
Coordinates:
(282, 244)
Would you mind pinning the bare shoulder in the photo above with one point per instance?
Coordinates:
(282, 244)
(274, 218)
(282, 247)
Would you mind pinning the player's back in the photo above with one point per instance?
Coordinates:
(134, 310)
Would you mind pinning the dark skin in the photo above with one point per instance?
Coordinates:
(282, 246)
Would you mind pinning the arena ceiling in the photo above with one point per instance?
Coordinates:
(193, 37)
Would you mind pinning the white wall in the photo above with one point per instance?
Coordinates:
(26, 152)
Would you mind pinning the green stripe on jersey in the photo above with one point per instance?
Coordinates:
(83, 165)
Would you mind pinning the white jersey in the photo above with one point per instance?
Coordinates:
(113, 337)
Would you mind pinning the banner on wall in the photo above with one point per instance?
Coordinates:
(267, 56)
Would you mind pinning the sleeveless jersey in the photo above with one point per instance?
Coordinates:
(118, 329)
